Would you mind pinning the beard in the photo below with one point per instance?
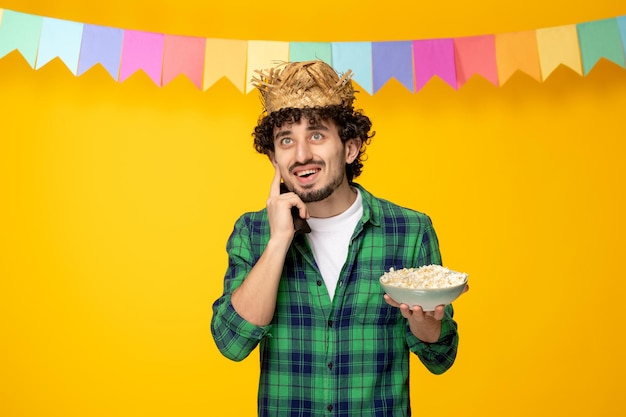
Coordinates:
(312, 196)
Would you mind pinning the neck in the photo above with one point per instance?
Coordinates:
(338, 202)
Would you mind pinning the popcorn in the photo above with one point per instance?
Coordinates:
(427, 276)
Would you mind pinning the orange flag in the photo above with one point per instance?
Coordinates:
(517, 51)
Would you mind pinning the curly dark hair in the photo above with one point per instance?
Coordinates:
(350, 124)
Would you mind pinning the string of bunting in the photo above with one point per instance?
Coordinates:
(163, 57)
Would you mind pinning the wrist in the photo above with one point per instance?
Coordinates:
(427, 330)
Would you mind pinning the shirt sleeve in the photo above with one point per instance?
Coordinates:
(438, 357)
(235, 337)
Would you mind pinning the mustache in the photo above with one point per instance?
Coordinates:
(295, 165)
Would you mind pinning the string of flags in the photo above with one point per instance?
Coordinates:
(204, 61)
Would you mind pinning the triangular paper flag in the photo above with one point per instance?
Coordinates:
(621, 24)
(20, 31)
(517, 51)
(475, 55)
(355, 56)
(263, 55)
(101, 45)
(434, 57)
(142, 50)
(183, 55)
(225, 58)
(307, 51)
(60, 38)
(393, 60)
(556, 46)
(600, 39)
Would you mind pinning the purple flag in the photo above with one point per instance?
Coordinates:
(101, 45)
(392, 60)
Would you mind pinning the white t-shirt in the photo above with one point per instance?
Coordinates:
(329, 239)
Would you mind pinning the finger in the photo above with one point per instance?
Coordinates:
(418, 313)
(303, 210)
(439, 312)
(406, 311)
(275, 187)
(466, 289)
(390, 301)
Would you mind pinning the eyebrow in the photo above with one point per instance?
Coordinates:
(318, 126)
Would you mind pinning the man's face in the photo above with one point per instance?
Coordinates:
(311, 158)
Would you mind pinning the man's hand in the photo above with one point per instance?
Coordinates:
(425, 325)
(279, 209)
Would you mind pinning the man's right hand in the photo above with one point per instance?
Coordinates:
(279, 209)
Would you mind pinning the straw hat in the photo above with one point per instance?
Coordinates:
(303, 84)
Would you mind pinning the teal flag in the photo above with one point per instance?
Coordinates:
(20, 31)
(307, 51)
(60, 38)
(600, 39)
(355, 56)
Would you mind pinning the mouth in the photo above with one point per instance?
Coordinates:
(306, 175)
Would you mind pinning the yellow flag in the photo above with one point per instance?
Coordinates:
(558, 45)
(225, 58)
(263, 55)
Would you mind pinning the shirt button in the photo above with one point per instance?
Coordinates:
(330, 407)
(319, 283)
(330, 365)
(330, 323)
(340, 283)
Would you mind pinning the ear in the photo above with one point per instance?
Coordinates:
(272, 157)
(352, 147)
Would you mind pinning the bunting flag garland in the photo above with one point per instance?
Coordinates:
(183, 55)
(434, 57)
(22, 32)
(392, 60)
(225, 58)
(475, 55)
(204, 61)
(262, 55)
(59, 38)
(600, 39)
(517, 51)
(303, 51)
(101, 45)
(558, 45)
(355, 56)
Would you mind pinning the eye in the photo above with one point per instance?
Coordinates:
(286, 141)
(317, 136)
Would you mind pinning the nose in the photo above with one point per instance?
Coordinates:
(303, 151)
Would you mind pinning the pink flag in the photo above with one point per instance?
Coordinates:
(183, 55)
(476, 55)
(142, 50)
(434, 57)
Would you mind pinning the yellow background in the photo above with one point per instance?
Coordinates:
(117, 200)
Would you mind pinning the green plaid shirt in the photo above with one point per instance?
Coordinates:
(348, 357)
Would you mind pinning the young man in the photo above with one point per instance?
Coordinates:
(331, 342)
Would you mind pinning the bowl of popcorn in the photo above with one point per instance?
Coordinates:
(427, 286)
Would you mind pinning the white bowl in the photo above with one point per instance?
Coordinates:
(427, 298)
